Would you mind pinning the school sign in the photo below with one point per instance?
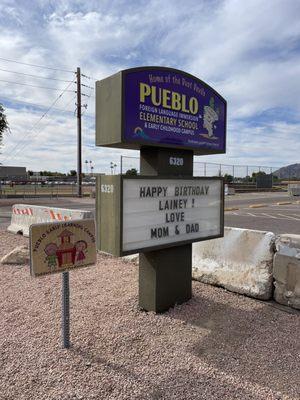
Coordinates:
(160, 107)
(170, 116)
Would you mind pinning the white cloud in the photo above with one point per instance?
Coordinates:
(264, 145)
(248, 50)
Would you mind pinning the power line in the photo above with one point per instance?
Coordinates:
(39, 120)
(87, 104)
(89, 77)
(90, 87)
(32, 104)
(35, 86)
(37, 133)
(34, 76)
(38, 66)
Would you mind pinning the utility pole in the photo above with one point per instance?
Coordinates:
(79, 145)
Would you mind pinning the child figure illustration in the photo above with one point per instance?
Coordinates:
(51, 258)
(81, 246)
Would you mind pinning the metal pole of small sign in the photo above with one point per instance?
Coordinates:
(65, 310)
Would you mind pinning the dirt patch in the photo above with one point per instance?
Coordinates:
(219, 345)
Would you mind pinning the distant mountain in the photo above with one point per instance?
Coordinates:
(290, 171)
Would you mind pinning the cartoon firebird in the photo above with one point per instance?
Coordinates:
(210, 116)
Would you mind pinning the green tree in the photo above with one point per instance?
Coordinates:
(228, 178)
(4, 127)
(131, 172)
(51, 173)
(255, 174)
(72, 172)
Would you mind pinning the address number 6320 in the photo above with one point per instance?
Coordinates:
(177, 161)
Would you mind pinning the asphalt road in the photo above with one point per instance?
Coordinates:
(283, 218)
(274, 217)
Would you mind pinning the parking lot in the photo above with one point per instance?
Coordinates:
(273, 212)
(240, 210)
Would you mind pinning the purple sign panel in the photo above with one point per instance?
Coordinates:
(168, 107)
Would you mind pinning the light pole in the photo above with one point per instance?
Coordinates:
(121, 166)
(79, 139)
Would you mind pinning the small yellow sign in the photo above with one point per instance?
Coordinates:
(62, 246)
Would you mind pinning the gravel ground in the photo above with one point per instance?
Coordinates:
(217, 346)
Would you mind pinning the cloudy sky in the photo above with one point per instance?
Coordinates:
(249, 51)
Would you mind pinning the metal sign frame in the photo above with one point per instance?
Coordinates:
(178, 243)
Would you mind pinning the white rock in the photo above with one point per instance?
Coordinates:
(134, 258)
(19, 255)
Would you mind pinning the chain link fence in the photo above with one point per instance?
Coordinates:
(237, 172)
(53, 187)
(10, 188)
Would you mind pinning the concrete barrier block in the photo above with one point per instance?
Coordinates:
(286, 270)
(288, 244)
(228, 190)
(241, 261)
(24, 215)
(279, 270)
(294, 189)
(297, 289)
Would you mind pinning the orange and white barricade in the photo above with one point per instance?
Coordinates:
(24, 215)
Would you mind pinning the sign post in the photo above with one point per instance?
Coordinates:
(169, 116)
(65, 311)
(165, 276)
(61, 247)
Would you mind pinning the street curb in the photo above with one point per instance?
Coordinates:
(258, 205)
(231, 208)
(282, 203)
